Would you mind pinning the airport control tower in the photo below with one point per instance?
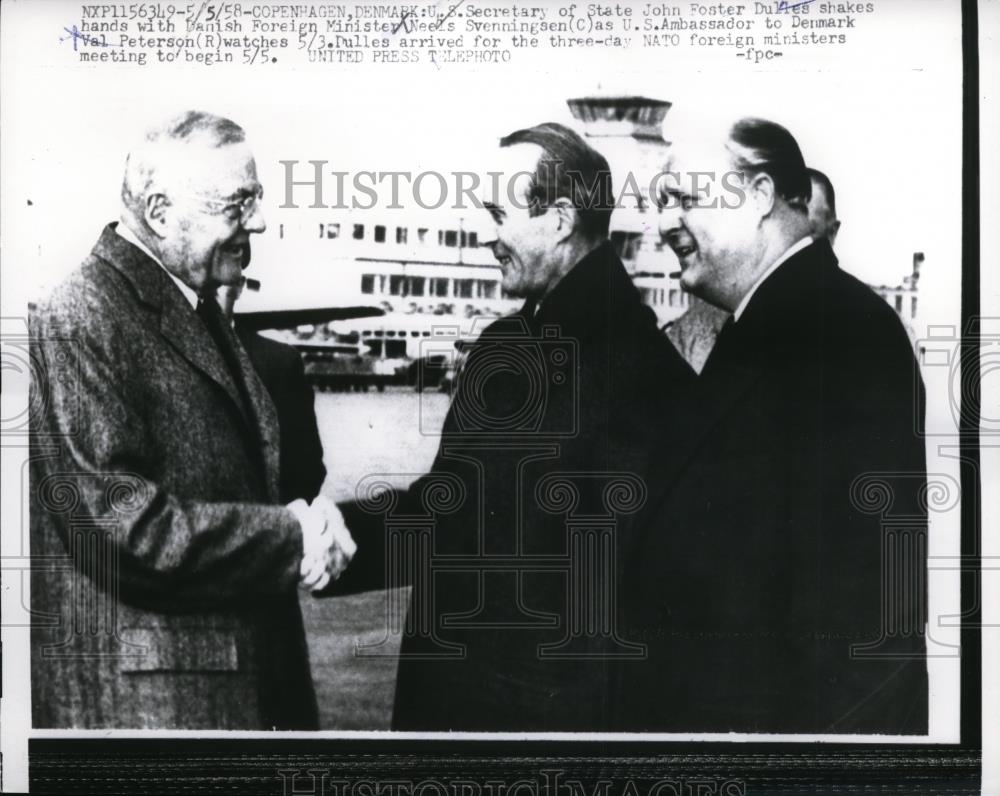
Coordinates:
(628, 132)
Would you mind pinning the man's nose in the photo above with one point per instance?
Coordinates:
(255, 222)
(669, 220)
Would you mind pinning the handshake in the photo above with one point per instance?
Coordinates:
(327, 546)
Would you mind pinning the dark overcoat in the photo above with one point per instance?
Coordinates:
(513, 541)
(779, 583)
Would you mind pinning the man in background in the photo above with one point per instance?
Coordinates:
(164, 566)
(822, 208)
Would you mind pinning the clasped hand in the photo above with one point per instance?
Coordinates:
(327, 545)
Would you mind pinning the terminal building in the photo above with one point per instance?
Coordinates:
(424, 262)
(433, 264)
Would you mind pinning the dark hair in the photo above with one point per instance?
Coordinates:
(571, 169)
(815, 175)
(770, 149)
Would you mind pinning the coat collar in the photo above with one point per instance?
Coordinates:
(791, 289)
(124, 231)
(594, 291)
(735, 365)
(184, 330)
(790, 252)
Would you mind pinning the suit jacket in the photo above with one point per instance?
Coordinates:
(164, 581)
(780, 581)
(541, 437)
(280, 369)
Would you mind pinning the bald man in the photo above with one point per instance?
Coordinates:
(165, 577)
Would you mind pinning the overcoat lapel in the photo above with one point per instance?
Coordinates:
(182, 328)
(707, 406)
(266, 417)
(736, 364)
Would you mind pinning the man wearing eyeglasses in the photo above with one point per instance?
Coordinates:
(164, 590)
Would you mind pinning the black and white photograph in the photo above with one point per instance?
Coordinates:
(498, 396)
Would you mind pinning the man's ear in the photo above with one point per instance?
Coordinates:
(833, 232)
(762, 193)
(155, 213)
(565, 216)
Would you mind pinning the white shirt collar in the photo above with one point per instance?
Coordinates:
(126, 232)
(793, 249)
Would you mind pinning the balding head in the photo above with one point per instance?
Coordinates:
(170, 153)
(189, 194)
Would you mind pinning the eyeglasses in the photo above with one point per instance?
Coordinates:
(239, 210)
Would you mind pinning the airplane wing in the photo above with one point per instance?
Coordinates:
(288, 319)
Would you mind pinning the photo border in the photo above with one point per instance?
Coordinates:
(286, 764)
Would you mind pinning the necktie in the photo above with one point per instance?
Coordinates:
(215, 322)
(225, 340)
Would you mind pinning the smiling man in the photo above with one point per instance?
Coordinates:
(555, 400)
(777, 596)
(165, 591)
(552, 211)
(588, 419)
